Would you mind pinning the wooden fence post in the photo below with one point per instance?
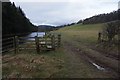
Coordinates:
(53, 41)
(119, 44)
(59, 40)
(99, 37)
(16, 44)
(37, 44)
(46, 35)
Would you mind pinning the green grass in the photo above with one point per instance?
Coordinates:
(85, 34)
(84, 37)
(80, 27)
(61, 63)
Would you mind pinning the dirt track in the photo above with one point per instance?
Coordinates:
(80, 54)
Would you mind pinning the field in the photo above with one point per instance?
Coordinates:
(76, 58)
(81, 33)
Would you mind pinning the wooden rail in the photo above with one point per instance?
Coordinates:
(47, 42)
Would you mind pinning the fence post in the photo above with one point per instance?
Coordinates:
(46, 35)
(59, 40)
(53, 41)
(99, 37)
(37, 44)
(119, 43)
(16, 44)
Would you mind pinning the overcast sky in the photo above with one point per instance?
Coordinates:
(59, 12)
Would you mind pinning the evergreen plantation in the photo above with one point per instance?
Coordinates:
(14, 20)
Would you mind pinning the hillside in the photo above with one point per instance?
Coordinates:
(46, 28)
(102, 18)
(84, 33)
(15, 20)
(85, 38)
(88, 35)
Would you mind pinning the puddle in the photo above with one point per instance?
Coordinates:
(97, 66)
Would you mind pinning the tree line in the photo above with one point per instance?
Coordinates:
(65, 25)
(101, 18)
(14, 20)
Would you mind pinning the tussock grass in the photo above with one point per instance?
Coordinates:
(29, 64)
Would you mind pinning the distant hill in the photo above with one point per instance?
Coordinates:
(46, 28)
(102, 18)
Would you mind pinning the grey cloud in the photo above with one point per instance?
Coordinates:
(58, 13)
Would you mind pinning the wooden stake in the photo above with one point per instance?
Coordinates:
(37, 44)
(16, 44)
(53, 41)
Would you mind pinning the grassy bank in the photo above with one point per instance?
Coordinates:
(85, 34)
